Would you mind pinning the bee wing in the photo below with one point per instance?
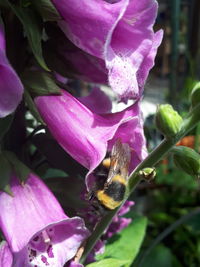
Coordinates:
(120, 159)
(125, 160)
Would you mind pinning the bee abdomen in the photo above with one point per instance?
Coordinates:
(112, 196)
(116, 190)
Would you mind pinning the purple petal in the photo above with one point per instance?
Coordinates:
(118, 222)
(148, 61)
(60, 78)
(119, 32)
(74, 264)
(97, 101)
(117, 226)
(125, 208)
(35, 226)
(6, 257)
(84, 134)
(87, 23)
(65, 239)
(130, 43)
(131, 132)
(86, 67)
(11, 88)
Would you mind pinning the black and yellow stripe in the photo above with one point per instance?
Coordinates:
(112, 196)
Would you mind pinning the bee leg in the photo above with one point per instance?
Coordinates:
(89, 196)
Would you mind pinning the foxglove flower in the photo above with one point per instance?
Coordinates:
(11, 88)
(87, 136)
(120, 33)
(36, 228)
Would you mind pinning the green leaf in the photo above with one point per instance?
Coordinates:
(186, 180)
(31, 105)
(5, 125)
(108, 263)
(33, 28)
(50, 173)
(161, 256)
(127, 243)
(5, 174)
(40, 83)
(46, 10)
(70, 199)
(20, 169)
(194, 224)
(56, 156)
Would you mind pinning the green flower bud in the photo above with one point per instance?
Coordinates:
(147, 174)
(168, 121)
(187, 160)
(195, 95)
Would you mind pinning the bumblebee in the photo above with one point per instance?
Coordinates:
(112, 175)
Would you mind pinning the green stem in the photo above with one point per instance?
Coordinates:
(154, 157)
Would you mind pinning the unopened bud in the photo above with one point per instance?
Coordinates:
(147, 174)
(187, 160)
(195, 95)
(168, 121)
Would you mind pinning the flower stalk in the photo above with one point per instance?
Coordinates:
(153, 158)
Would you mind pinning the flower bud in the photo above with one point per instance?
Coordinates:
(168, 121)
(195, 95)
(148, 174)
(187, 160)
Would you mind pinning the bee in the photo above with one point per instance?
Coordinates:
(110, 192)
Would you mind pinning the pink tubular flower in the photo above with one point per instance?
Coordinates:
(11, 88)
(87, 136)
(37, 230)
(120, 33)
